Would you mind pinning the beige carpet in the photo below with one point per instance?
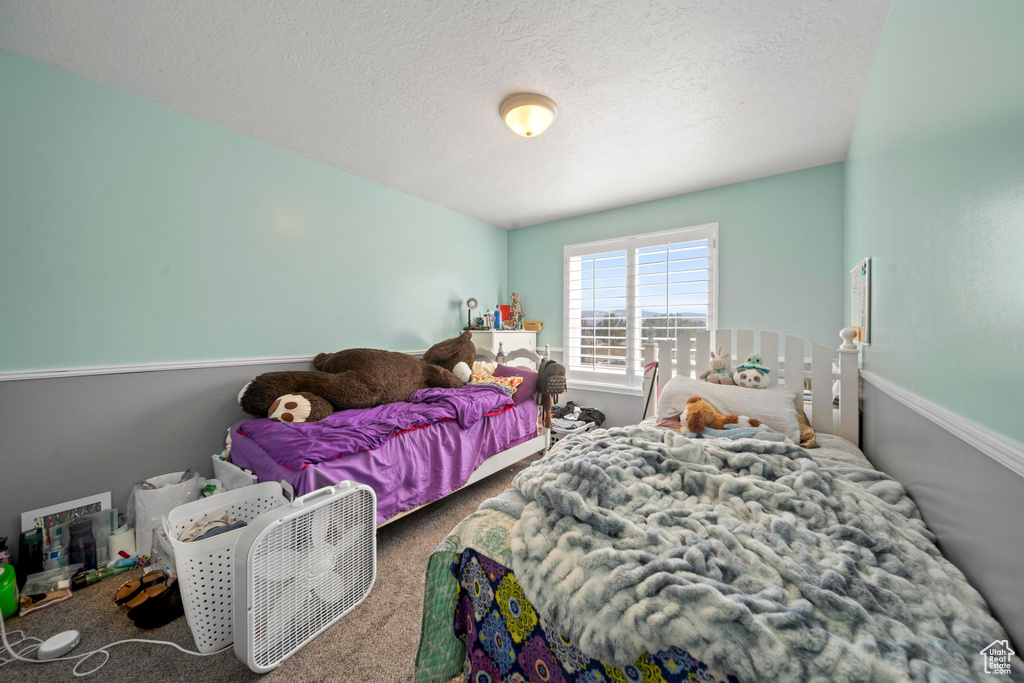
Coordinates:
(376, 642)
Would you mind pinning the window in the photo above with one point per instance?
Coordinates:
(618, 291)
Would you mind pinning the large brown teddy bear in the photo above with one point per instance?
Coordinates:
(450, 352)
(356, 378)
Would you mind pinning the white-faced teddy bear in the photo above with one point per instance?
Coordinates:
(719, 372)
(752, 373)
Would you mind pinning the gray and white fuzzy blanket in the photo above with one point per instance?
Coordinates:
(752, 555)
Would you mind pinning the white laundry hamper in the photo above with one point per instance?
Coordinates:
(205, 567)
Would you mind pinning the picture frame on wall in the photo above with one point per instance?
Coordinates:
(860, 300)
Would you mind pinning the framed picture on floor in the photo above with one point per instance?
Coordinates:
(62, 513)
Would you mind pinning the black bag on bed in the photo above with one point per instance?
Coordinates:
(550, 383)
(551, 379)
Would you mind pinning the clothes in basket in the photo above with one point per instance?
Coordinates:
(572, 416)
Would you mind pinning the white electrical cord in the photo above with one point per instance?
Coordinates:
(34, 643)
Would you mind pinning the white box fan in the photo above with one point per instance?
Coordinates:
(299, 568)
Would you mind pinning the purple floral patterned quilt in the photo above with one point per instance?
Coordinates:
(507, 641)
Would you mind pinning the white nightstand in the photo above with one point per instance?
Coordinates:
(511, 339)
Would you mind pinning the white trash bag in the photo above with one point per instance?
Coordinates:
(154, 498)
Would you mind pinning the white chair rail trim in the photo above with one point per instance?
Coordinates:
(14, 375)
(1006, 452)
(129, 368)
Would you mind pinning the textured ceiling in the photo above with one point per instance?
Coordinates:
(655, 98)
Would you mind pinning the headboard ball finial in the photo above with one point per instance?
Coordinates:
(848, 334)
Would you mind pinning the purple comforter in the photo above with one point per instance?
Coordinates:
(295, 446)
(413, 467)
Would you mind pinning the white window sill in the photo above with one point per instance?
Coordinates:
(581, 385)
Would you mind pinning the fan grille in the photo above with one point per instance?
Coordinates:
(293, 563)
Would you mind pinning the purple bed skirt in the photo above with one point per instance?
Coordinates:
(410, 469)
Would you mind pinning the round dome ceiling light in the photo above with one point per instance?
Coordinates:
(528, 114)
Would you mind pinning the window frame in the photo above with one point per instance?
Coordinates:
(631, 382)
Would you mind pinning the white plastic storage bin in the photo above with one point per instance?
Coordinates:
(231, 476)
(204, 567)
(559, 434)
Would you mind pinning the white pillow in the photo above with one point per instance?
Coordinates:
(774, 406)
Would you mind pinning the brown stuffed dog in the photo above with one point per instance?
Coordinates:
(699, 415)
(354, 378)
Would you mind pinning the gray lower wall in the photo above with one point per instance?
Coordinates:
(68, 437)
(972, 503)
(63, 438)
(619, 409)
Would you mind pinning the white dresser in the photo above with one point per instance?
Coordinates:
(510, 339)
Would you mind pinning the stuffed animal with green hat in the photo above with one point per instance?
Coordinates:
(752, 373)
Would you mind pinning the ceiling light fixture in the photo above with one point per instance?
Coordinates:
(528, 114)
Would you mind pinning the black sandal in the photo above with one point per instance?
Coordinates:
(144, 596)
(129, 590)
(159, 609)
(154, 577)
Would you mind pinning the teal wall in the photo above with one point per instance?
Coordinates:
(780, 252)
(935, 196)
(130, 233)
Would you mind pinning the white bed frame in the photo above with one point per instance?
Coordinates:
(491, 465)
(692, 356)
(500, 461)
(495, 463)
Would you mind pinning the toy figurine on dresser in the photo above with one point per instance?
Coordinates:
(516, 314)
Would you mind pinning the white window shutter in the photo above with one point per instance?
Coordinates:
(616, 291)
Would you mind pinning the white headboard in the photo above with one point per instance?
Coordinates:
(503, 358)
(690, 354)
